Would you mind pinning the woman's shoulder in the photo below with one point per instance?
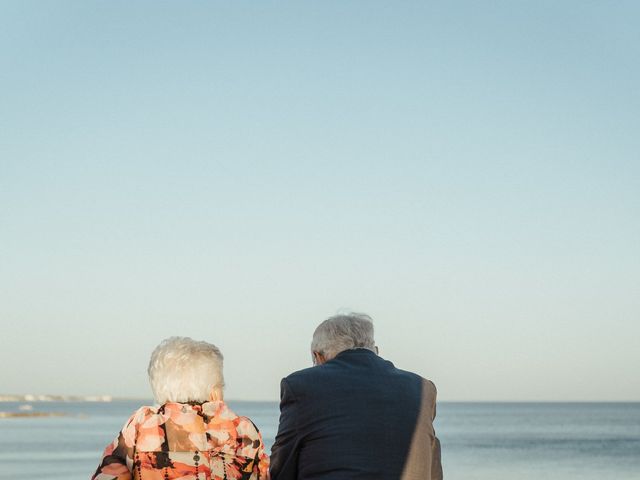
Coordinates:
(146, 410)
(245, 426)
(141, 415)
(250, 442)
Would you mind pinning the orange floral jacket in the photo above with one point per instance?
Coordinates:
(187, 441)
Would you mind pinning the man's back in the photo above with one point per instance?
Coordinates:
(356, 417)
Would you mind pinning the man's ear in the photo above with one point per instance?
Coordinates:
(318, 358)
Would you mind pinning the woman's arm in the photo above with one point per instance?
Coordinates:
(117, 459)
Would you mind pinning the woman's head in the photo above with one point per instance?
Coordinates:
(185, 370)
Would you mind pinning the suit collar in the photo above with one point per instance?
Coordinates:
(355, 352)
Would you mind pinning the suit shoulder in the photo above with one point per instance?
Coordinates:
(427, 384)
(308, 379)
(301, 377)
(429, 387)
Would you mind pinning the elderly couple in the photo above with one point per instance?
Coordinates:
(353, 415)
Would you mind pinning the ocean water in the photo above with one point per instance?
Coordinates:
(480, 441)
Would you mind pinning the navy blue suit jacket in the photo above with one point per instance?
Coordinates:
(356, 417)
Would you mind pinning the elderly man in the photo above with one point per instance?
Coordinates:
(354, 415)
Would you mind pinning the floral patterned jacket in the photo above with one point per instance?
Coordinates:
(187, 441)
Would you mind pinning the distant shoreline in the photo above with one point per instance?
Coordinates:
(31, 414)
(29, 398)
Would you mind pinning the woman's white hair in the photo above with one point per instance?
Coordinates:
(185, 370)
(343, 332)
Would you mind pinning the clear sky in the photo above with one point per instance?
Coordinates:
(467, 173)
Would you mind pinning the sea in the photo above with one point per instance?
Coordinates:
(480, 441)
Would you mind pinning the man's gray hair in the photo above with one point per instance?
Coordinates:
(343, 332)
(184, 370)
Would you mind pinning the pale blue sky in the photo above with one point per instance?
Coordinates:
(466, 172)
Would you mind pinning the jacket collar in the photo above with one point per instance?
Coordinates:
(355, 352)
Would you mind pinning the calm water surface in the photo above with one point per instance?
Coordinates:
(480, 441)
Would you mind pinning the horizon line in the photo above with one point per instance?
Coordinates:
(105, 398)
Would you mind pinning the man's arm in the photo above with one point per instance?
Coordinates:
(436, 461)
(423, 458)
(284, 453)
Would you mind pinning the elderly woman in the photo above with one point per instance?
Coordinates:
(192, 434)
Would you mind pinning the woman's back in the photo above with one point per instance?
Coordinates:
(204, 441)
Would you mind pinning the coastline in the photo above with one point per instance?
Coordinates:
(29, 398)
(31, 414)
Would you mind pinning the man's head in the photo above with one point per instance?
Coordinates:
(342, 332)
